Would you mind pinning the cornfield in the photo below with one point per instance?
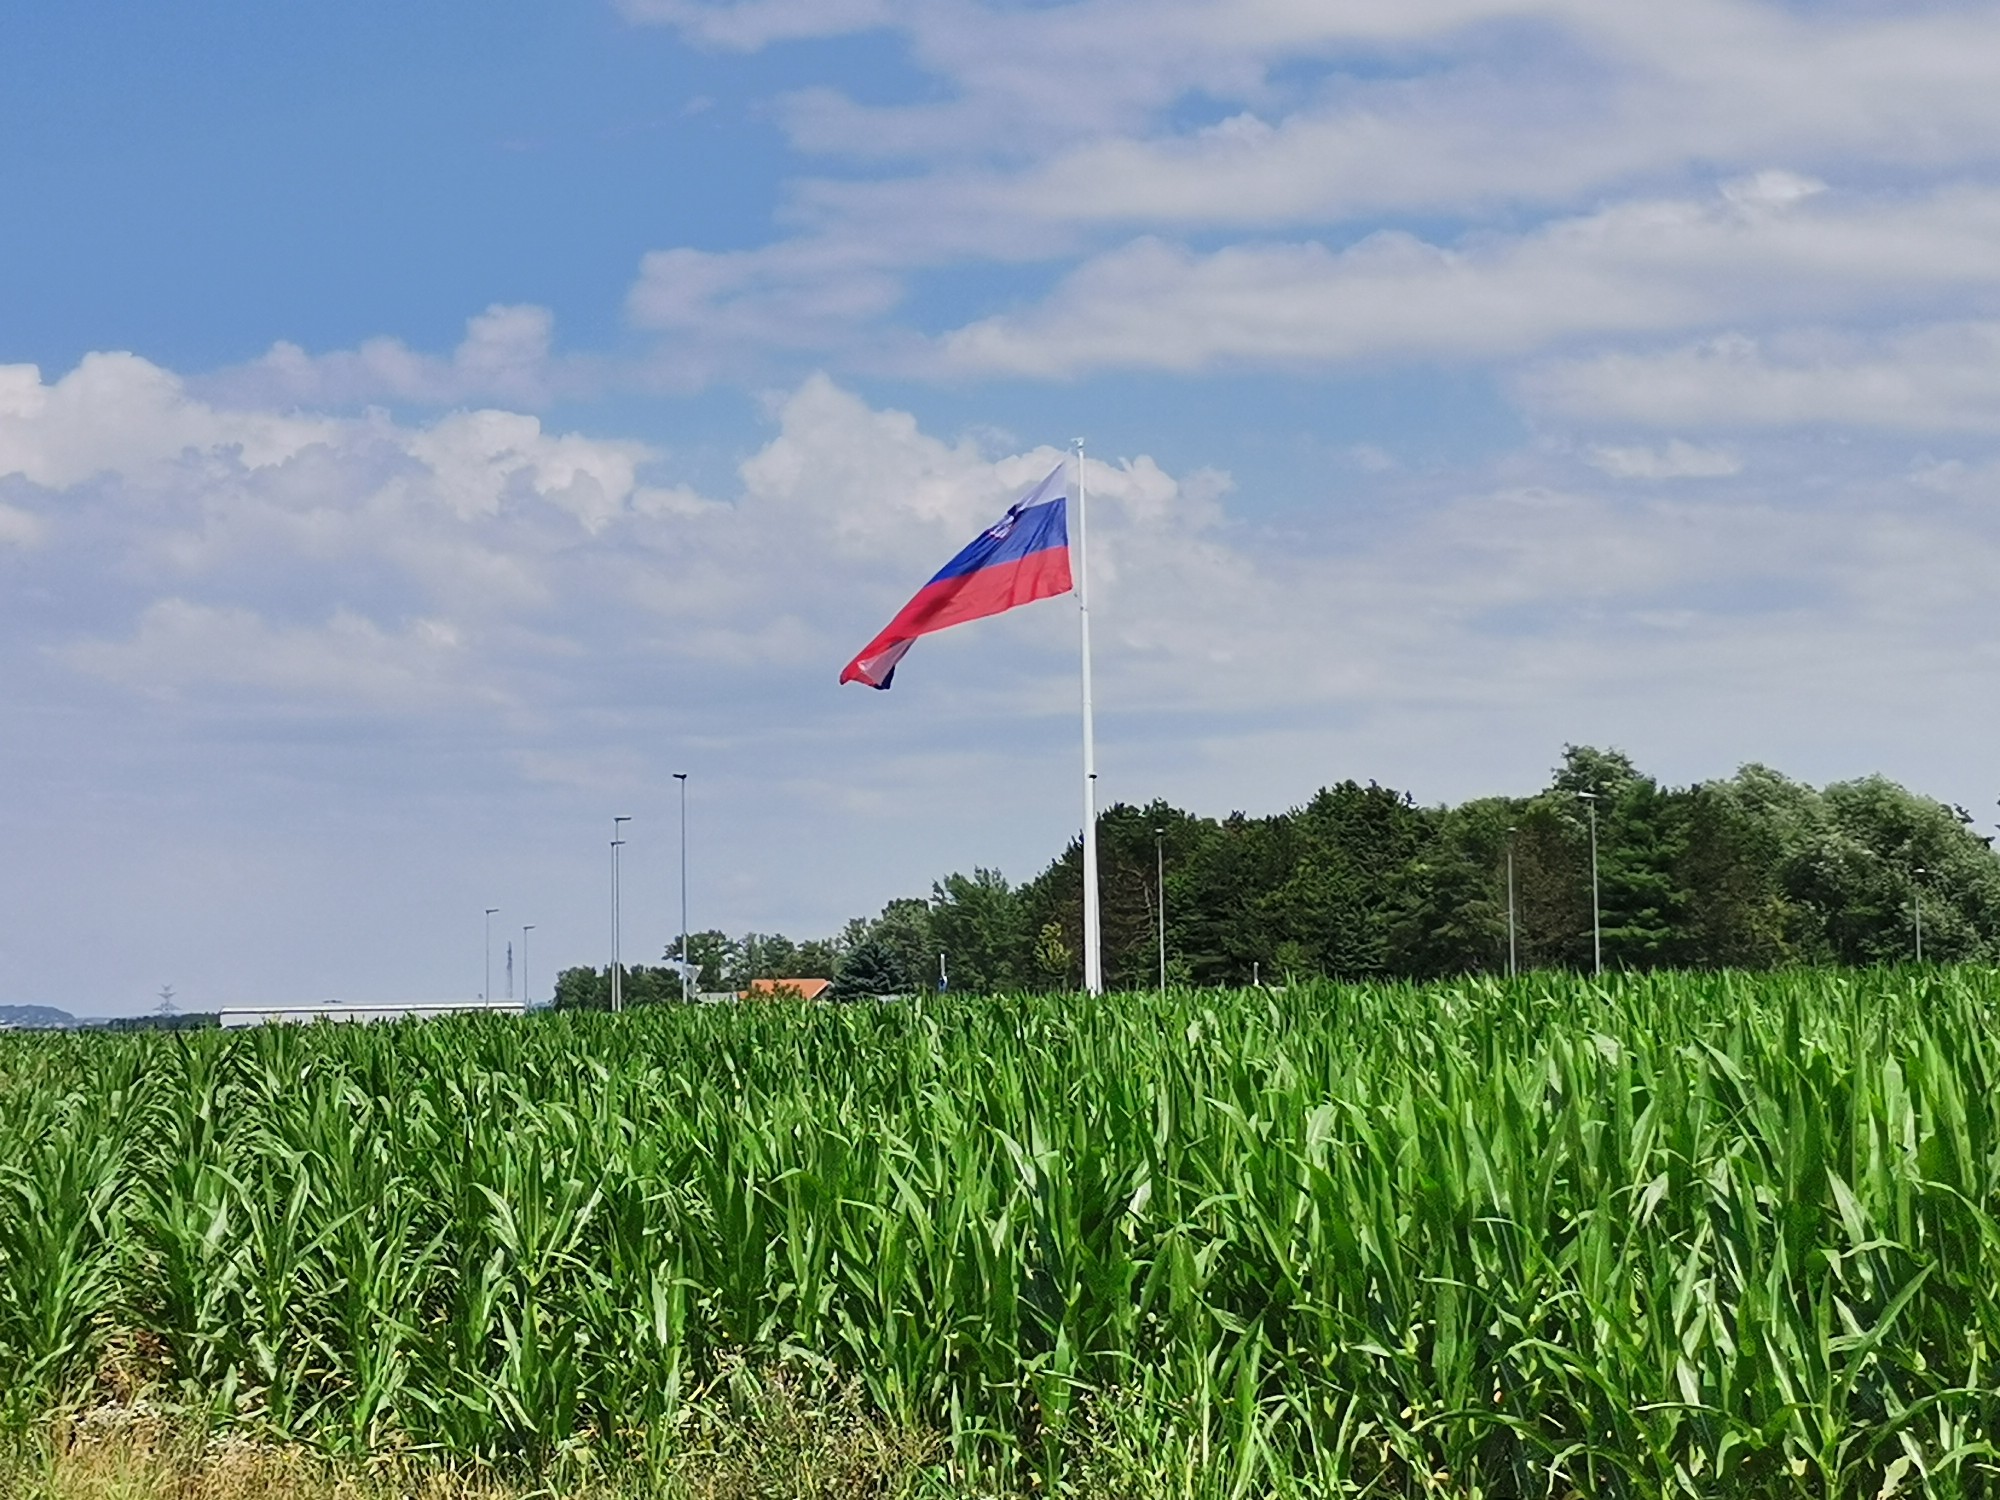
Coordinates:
(1664, 1235)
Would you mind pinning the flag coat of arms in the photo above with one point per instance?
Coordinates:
(1023, 558)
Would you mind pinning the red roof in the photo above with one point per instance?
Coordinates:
(805, 989)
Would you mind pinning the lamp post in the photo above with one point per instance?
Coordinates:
(1160, 887)
(1596, 919)
(487, 993)
(686, 957)
(524, 964)
(617, 978)
(1917, 906)
(1513, 958)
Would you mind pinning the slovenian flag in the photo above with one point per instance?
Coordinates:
(1022, 559)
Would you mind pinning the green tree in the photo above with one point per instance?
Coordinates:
(717, 960)
(817, 958)
(905, 926)
(1604, 773)
(1642, 844)
(583, 989)
(1218, 916)
(1875, 851)
(639, 985)
(1449, 904)
(1054, 960)
(1732, 868)
(1552, 883)
(870, 968)
(1361, 881)
(977, 922)
(651, 984)
(1338, 901)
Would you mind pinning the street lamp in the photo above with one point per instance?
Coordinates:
(1917, 906)
(1596, 919)
(617, 979)
(487, 994)
(524, 964)
(1160, 885)
(682, 778)
(1513, 960)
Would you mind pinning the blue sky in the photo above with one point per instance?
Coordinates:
(422, 432)
(235, 174)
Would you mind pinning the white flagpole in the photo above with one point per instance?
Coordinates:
(1093, 947)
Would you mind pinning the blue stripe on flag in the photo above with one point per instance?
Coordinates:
(1035, 529)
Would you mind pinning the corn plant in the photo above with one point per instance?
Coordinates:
(1668, 1234)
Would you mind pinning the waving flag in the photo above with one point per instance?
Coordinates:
(1022, 559)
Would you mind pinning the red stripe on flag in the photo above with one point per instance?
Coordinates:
(972, 596)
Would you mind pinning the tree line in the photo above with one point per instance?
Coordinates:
(1756, 871)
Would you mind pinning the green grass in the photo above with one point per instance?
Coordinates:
(1675, 1235)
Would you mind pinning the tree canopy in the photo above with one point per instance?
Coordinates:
(1361, 882)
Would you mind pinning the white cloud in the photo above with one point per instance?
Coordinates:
(750, 24)
(349, 560)
(1677, 460)
(513, 569)
(489, 527)
(120, 412)
(474, 461)
(1249, 24)
(505, 356)
(803, 294)
(1477, 597)
(18, 528)
(1489, 101)
(1942, 377)
(1774, 247)
(1596, 95)
(1771, 188)
(422, 627)
(119, 415)
(837, 520)
(1055, 127)
(347, 663)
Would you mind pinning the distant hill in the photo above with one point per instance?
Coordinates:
(35, 1017)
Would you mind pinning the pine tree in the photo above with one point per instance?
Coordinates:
(871, 968)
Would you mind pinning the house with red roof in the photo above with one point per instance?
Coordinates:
(791, 989)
